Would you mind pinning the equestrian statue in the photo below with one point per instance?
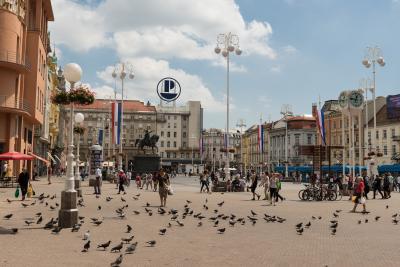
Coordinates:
(149, 141)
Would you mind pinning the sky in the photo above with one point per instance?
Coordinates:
(295, 52)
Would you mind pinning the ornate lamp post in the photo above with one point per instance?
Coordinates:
(120, 71)
(79, 118)
(229, 43)
(68, 214)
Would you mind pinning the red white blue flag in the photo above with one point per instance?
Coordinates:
(116, 121)
(260, 138)
(321, 125)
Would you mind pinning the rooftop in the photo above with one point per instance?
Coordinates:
(129, 105)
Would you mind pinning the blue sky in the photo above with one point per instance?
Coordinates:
(294, 51)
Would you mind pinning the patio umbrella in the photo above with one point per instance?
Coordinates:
(15, 156)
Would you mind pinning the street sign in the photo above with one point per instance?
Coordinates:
(168, 89)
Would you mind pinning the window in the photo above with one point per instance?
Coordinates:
(174, 143)
(168, 144)
(393, 150)
(385, 151)
(168, 155)
(393, 132)
(174, 134)
(162, 154)
(162, 144)
(184, 118)
(288, 139)
(377, 135)
(182, 155)
(184, 144)
(168, 134)
(162, 133)
(297, 139)
(174, 124)
(334, 125)
(174, 155)
(184, 136)
(384, 134)
(174, 117)
(309, 137)
(169, 117)
(169, 125)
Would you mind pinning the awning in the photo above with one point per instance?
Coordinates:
(51, 157)
(39, 158)
(15, 156)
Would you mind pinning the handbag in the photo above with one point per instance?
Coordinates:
(29, 191)
(353, 199)
(170, 190)
(362, 200)
(17, 192)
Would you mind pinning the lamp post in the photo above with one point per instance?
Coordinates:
(120, 71)
(229, 43)
(194, 138)
(68, 214)
(79, 118)
(241, 124)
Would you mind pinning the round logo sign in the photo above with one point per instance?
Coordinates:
(168, 89)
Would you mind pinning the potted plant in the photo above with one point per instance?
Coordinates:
(79, 130)
(60, 98)
(379, 154)
(81, 95)
(372, 153)
(231, 150)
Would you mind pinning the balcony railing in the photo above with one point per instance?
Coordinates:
(14, 58)
(396, 138)
(11, 102)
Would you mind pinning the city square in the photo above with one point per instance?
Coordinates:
(199, 133)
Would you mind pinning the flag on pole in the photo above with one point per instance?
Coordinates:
(100, 137)
(321, 125)
(260, 138)
(116, 121)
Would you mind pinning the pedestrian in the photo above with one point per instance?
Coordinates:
(49, 170)
(83, 175)
(278, 188)
(359, 194)
(265, 184)
(377, 185)
(254, 182)
(138, 181)
(398, 183)
(367, 186)
(155, 181)
(4, 169)
(149, 181)
(163, 187)
(128, 178)
(121, 181)
(97, 184)
(386, 186)
(23, 181)
(391, 182)
(350, 186)
(272, 188)
(203, 182)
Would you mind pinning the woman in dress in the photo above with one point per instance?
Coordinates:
(163, 184)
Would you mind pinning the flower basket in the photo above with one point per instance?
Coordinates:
(372, 163)
(79, 130)
(379, 154)
(231, 150)
(372, 153)
(60, 98)
(81, 95)
(367, 158)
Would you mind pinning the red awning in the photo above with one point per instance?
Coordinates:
(15, 156)
(39, 158)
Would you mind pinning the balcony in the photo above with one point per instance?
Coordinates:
(12, 60)
(8, 103)
(396, 138)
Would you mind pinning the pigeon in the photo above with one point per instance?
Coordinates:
(9, 201)
(128, 228)
(28, 222)
(56, 230)
(333, 221)
(377, 218)
(38, 214)
(104, 245)
(215, 211)
(221, 230)
(75, 228)
(52, 208)
(24, 205)
(86, 247)
(49, 225)
(319, 217)
(151, 243)
(359, 221)
(123, 199)
(97, 223)
(313, 217)
(131, 248)
(387, 206)
(395, 221)
(308, 225)
(147, 204)
(221, 203)
(39, 221)
(180, 224)
(99, 207)
(127, 240)
(188, 201)
(253, 213)
(138, 195)
(57, 205)
(81, 217)
(199, 224)
(299, 225)
(335, 215)
(174, 217)
(338, 211)
(232, 223)
(216, 223)
(108, 199)
(86, 236)
(117, 247)
(300, 231)
(394, 215)
(8, 216)
(33, 203)
(169, 225)
(163, 231)
(136, 212)
(117, 262)
(335, 225)
(333, 231)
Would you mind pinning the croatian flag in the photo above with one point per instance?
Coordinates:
(260, 138)
(321, 125)
(116, 119)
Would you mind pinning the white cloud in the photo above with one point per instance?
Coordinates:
(276, 69)
(143, 86)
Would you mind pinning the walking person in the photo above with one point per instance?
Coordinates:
(97, 184)
(278, 188)
(49, 170)
(350, 186)
(359, 193)
(376, 185)
(272, 188)
(367, 186)
(121, 182)
(23, 181)
(386, 186)
(265, 183)
(204, 182)
(155, 181)
(149, 181)
(254, 182)
(138, 181)
(163, 185)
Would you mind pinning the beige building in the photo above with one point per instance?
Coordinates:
(24, 45)
(180, 129)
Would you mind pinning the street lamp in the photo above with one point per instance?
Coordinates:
(68, 214)
(241, 124)
(194, 138)
(121, 70)
(79, 118)
(229, 43)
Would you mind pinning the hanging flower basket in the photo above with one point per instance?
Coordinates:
(379, 154)
(79, 130)
(372, 163)
(61, 98)
(372, 153)
(367, 158)
(231, 150)
(81, 95)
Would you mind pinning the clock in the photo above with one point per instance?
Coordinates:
(356, 99)
(343, 99)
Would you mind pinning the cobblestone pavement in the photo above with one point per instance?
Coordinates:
(263, 244)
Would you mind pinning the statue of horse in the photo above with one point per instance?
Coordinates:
(149, 142)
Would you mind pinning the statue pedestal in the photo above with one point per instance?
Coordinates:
(146, 163)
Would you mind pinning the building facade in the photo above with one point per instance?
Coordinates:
(24, 45)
